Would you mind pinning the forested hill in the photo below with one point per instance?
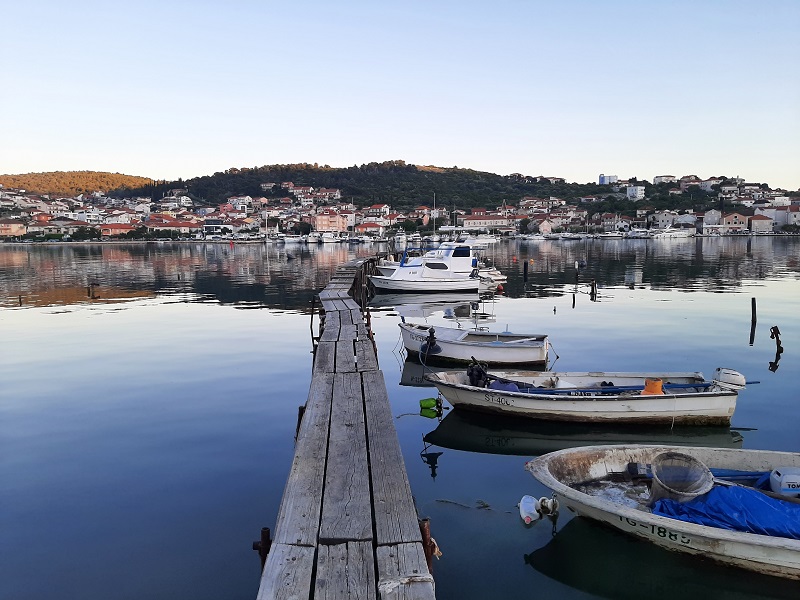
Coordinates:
(395, 183)
(71, 183)
(401, 185)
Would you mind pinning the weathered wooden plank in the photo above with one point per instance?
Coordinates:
(299, 513)
(333, 318)
(395, 514)
(351, 304)
(330, 334)
(403, 573)
(365, 355)
(347, 331)
(356, 316)
(346, 506)
(325, 357)
(330, 304)
(345, 572)
(345, 355)
(287, 573)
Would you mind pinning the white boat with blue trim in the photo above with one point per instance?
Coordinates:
(452, 344)
(648, 397)
(744, 523)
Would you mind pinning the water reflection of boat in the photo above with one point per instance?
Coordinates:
(413, 373)
(500, 434)
(606, 563)
(426, 305)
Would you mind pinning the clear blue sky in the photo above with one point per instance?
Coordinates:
(170, 89)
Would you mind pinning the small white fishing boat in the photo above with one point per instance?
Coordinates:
(654, 397)
(452, 344)
(759, 534)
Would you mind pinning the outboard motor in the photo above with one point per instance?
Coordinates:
(728, 379)
(476, 374)
(429, 347)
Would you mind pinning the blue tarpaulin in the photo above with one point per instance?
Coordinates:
(737, 509)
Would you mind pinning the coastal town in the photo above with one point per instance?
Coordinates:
(299, 210)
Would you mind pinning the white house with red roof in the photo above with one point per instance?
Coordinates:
(374, 229)
(378, 210)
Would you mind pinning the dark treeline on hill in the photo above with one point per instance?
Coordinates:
(69, 184)
(402, 186)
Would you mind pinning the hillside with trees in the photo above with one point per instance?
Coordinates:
(401, 185)
(72, 183)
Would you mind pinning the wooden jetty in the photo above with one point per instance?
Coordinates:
(347, 526)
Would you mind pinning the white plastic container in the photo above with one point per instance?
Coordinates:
(785, 481)
(529, 509)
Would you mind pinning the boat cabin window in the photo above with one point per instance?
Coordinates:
(461, 251)
(435, 265)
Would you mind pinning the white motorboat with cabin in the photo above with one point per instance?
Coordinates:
(671, 233)
(647, 397)
(450, 267)
(734, 506)
(331, 237)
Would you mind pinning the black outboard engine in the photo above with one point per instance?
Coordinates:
(476, 373)
(429, 346)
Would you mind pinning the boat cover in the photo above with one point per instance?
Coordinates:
(737, 509)
(503, 386)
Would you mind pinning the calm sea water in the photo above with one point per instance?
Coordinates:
(150, 395)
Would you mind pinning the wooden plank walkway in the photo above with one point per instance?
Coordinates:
(347, 525)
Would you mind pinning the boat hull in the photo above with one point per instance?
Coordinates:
(700, 408)
(760, 553)
(422, 285)
(461, 346)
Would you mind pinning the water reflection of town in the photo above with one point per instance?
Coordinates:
(551, 268)
(279, 276)
(244, 274)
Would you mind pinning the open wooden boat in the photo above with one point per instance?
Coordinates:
(452, 344)
(587, 481)
(649, 397)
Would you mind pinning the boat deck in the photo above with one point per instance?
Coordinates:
(347, 526)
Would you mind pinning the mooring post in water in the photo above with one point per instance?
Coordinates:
(752, 321)
(525, 271)
(263, 545)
